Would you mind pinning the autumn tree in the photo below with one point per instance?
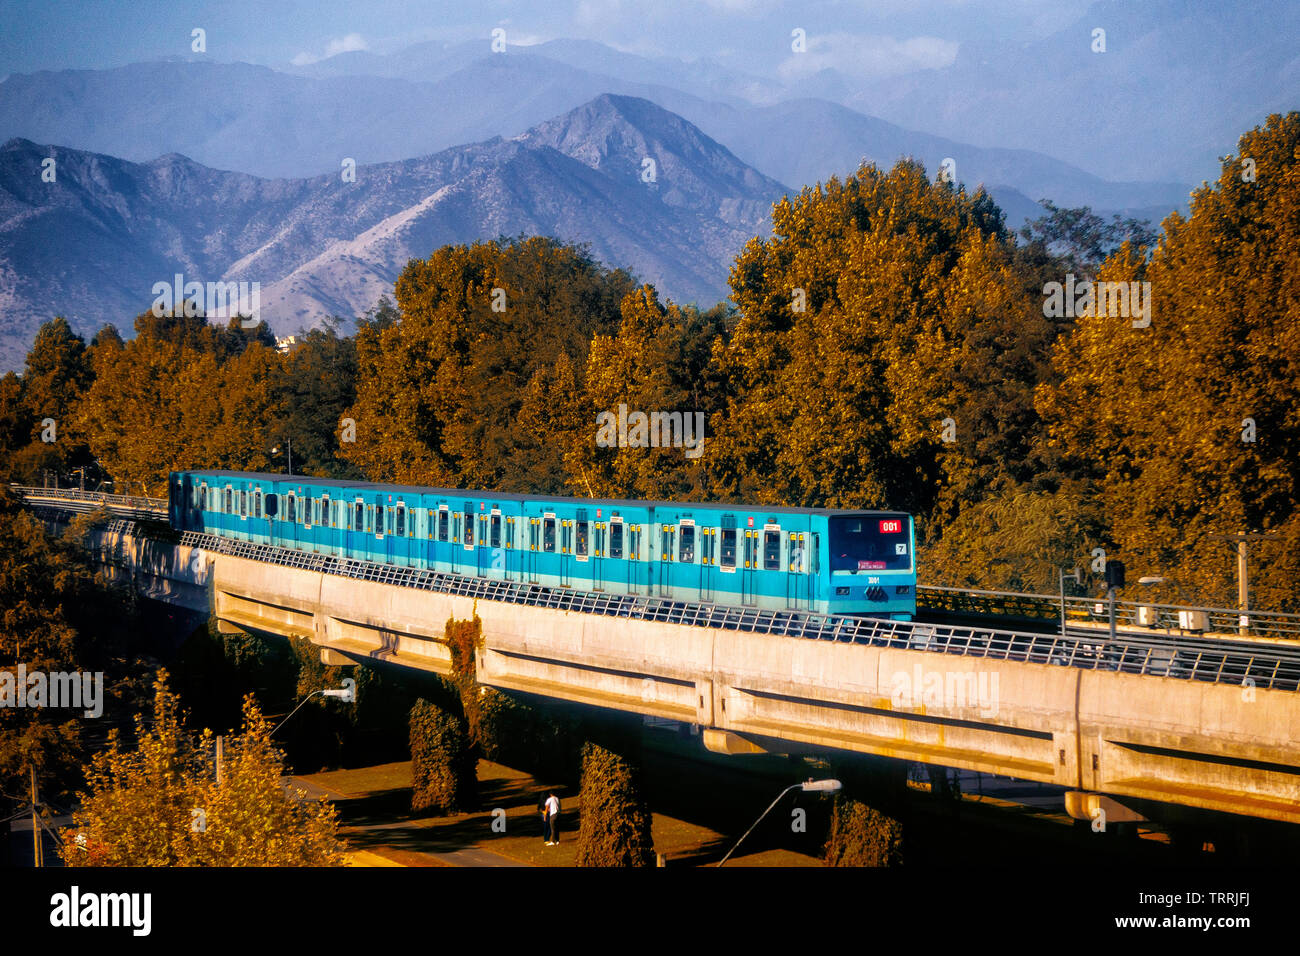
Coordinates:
(656, 361)
(182, 394)
(1189, 427)
(57, 615)
(439, 392)
(886, 351)
(159, 803)
(41, 406)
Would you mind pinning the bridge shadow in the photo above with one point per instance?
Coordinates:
(383, 819)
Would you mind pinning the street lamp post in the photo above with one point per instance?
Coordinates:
(1243, 582)
(810, 786)
(348, 693)
(1078, 579)
(288, 442)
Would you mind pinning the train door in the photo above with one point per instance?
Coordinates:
(617, 549)
(464, 550)
(494, 560)
(634, 558)
(443, 533)
(532, 549)
(395, 532)
(708, 563)
(598, 554)
(566, 553)
(356, 528)
(796, 572)
(749, 565)
(668, 541)
(812, 564)
(513, 531)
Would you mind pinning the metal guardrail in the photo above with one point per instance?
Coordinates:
(73, 499)
(1048, 607)
(1219, 662)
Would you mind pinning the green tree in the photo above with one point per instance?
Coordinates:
(615, 827)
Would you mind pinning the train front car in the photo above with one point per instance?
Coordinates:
(870, 557)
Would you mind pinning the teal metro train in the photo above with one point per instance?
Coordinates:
(831, 561)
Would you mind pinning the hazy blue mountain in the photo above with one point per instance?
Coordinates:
(1179, 82)
(91, 245)
(252, 119)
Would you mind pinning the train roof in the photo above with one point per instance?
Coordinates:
(510, 496)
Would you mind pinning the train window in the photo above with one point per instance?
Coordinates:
(580, 546)
(443, 520)
(860, 543)
(257, 503)
(728, 547)
(548, 535)
(686, 548)
(666, 549)
(494, 540)
(469, 527)
(616, 540)
(771, 550)
(229, 502)
(325, 510)
(359, 517)
(796, 553)
(399, 524)
(272, 505)
(510, 533)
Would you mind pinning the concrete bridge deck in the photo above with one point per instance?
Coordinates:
(1120, 726)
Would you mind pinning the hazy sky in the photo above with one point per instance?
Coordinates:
(865, 37)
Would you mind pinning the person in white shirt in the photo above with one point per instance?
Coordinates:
(552, 820)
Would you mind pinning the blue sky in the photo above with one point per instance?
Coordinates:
(867, 37)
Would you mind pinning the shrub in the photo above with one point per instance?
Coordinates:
(443, 766)
(615, 828)
(862, 836)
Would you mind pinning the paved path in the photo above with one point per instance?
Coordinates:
(467, 856)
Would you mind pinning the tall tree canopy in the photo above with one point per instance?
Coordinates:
(1191, 427)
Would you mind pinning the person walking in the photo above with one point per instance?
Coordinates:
(552, 819)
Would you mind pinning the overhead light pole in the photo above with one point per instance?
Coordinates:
(810, 786)
(1243, 581)
(1078, 579)
(289, 446)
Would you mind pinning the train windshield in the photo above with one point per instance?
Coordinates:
(870, 543)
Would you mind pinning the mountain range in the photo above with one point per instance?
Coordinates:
(92, 244)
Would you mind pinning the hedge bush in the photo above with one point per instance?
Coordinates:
(615, 827)
(444, 769)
